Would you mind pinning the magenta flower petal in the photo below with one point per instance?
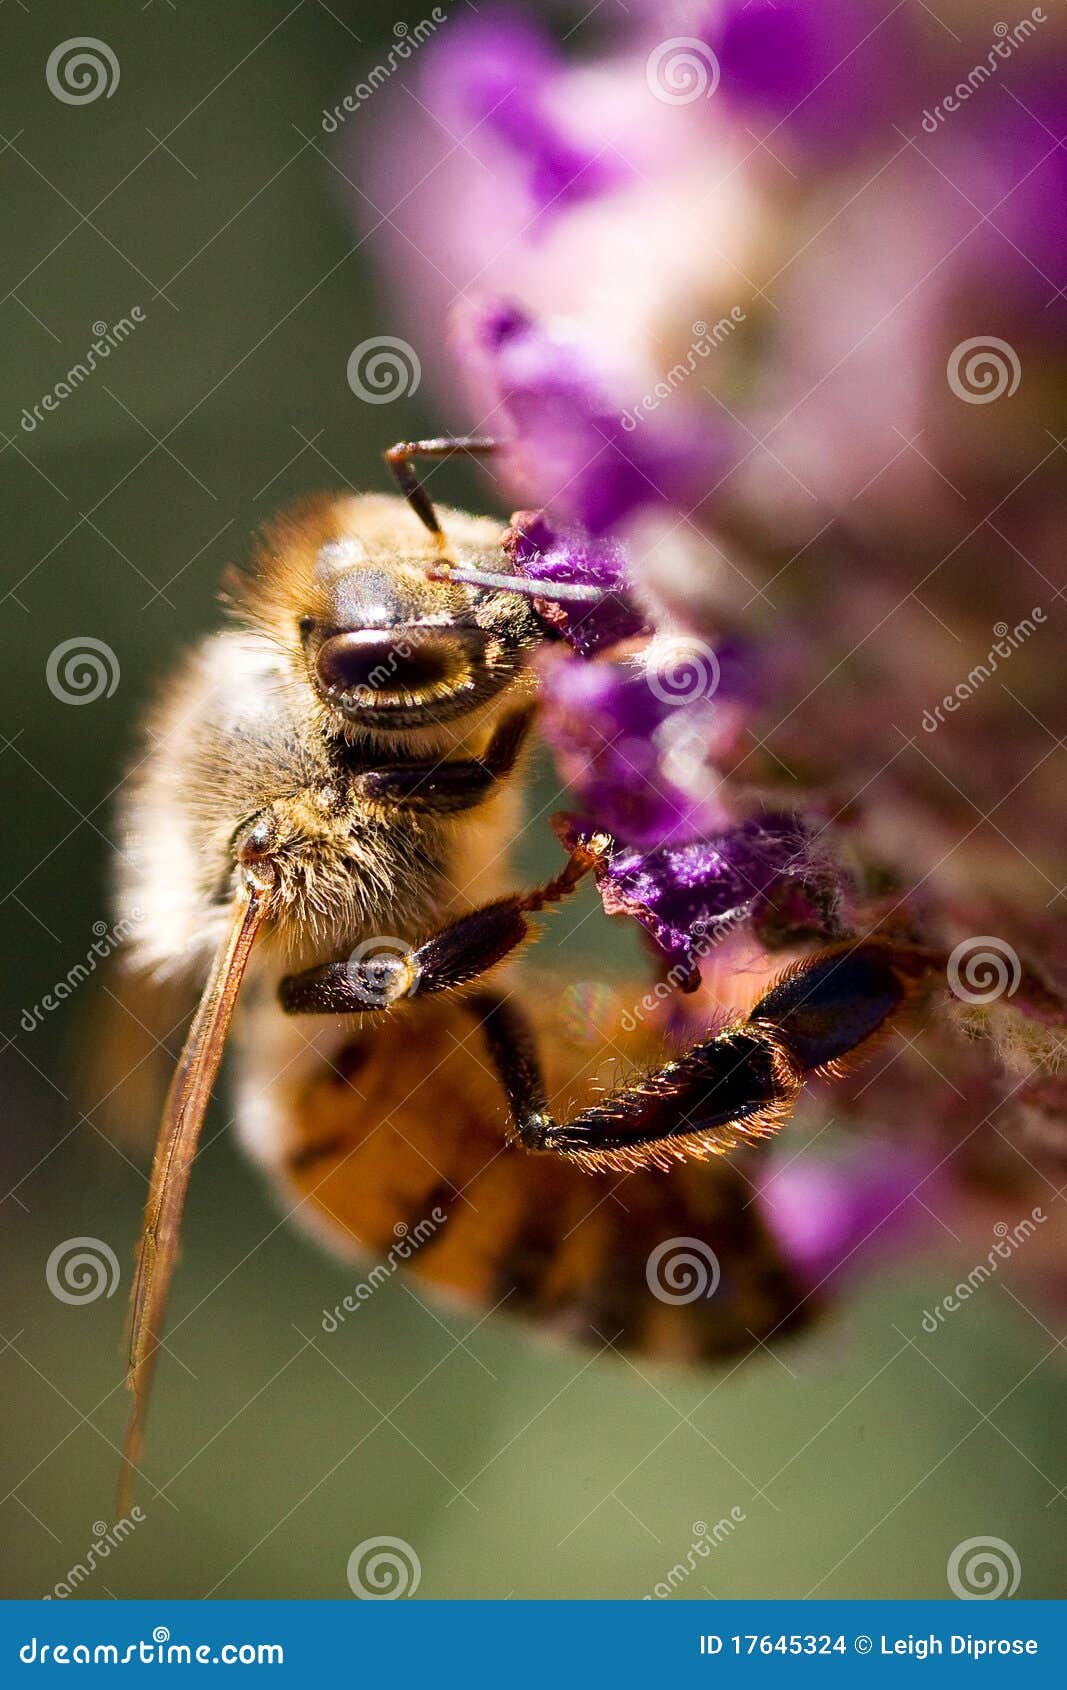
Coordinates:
(567, 558)
(494, 83)
(571, 450)
(689, 897)
(837, 1214)
(642, 764)
(826, 71)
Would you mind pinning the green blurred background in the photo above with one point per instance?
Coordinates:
(858, 1459)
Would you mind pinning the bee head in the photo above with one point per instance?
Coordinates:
(346, 586)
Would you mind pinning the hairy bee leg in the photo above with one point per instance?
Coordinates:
(723, 1083)
(740, 1084)
(461, 952)
(398, 458)
(444, 787)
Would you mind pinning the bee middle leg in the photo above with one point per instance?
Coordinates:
(459, 953)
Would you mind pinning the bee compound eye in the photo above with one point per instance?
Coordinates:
(371, 666)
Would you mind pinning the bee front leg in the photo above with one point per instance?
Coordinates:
(443, 786)
(461, 952)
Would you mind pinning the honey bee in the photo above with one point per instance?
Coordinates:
(323, 812)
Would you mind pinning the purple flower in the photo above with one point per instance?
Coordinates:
(641, 760)
(688, 898)
(826, 71)
(570, 559)
(835, 1214)
(495, 83)
(570, 448)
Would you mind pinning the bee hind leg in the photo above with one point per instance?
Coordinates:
(740, 1084)
(459, 953)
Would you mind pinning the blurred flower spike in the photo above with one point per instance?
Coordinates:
(722, 276)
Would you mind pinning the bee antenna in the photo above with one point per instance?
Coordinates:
(399, 459)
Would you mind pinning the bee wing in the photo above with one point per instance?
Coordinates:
(179, 1133)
